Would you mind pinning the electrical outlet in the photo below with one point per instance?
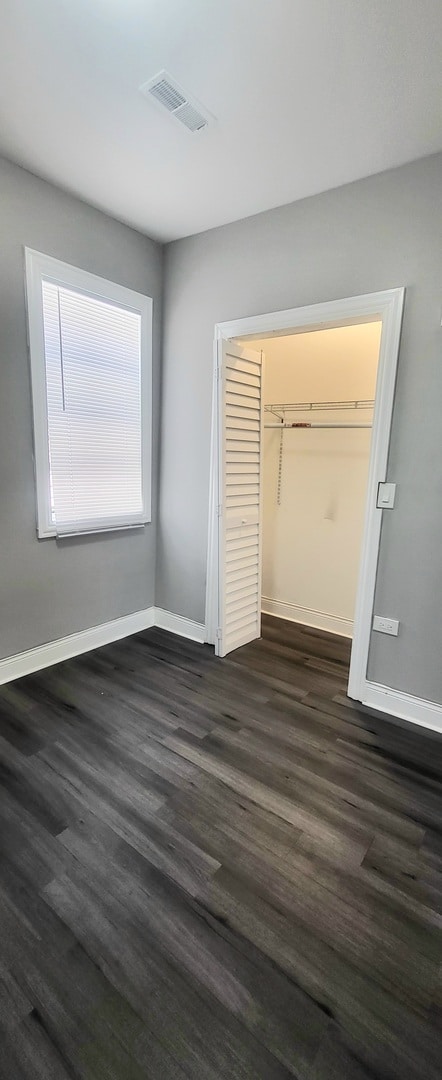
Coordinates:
(386, 626)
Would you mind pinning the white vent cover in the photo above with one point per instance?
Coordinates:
(166, 92)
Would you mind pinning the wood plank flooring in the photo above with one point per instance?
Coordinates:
(216, 869)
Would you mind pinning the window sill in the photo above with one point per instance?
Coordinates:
(52, 534)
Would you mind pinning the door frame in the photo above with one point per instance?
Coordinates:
(386, 306)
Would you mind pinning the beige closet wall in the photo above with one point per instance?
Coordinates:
(311, 541)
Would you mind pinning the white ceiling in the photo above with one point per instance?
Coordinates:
(307, 95)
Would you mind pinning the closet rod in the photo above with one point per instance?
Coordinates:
(283, 424)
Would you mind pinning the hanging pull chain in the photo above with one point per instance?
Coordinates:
(278, 488)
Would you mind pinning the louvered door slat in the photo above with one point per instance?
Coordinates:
(250, 367)
(241, 378)
(245, 456)
(237, 589)
(244, 469)
(234, 553)
(234, 397)
(243, 423)
(239, 412)
(240, 546)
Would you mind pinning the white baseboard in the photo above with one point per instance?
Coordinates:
(427, 714)
(319, 619)
(416, 710)
(177, 624)
(52, 652)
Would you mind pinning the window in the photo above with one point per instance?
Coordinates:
(91, 369)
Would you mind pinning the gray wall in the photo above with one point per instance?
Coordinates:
(375, 234)
(49, 589)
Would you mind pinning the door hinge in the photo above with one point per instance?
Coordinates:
(218, 634)
(219, 510)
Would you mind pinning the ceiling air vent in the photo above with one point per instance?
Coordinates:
(166, 92)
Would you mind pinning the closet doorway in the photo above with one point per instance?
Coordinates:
(300, 507)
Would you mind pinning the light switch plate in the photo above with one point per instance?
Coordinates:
(386, 496)
(386, 626)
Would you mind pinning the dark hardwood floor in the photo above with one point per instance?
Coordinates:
(216, 869)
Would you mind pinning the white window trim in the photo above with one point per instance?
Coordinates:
(39, 267)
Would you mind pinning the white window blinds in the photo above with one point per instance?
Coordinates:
(94, 387)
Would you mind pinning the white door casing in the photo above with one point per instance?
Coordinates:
(239, 528)
(388, 307)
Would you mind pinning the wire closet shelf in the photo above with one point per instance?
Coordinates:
(284, 413)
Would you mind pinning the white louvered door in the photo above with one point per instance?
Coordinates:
(240, 489)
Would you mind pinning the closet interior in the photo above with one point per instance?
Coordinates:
(318, 396)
